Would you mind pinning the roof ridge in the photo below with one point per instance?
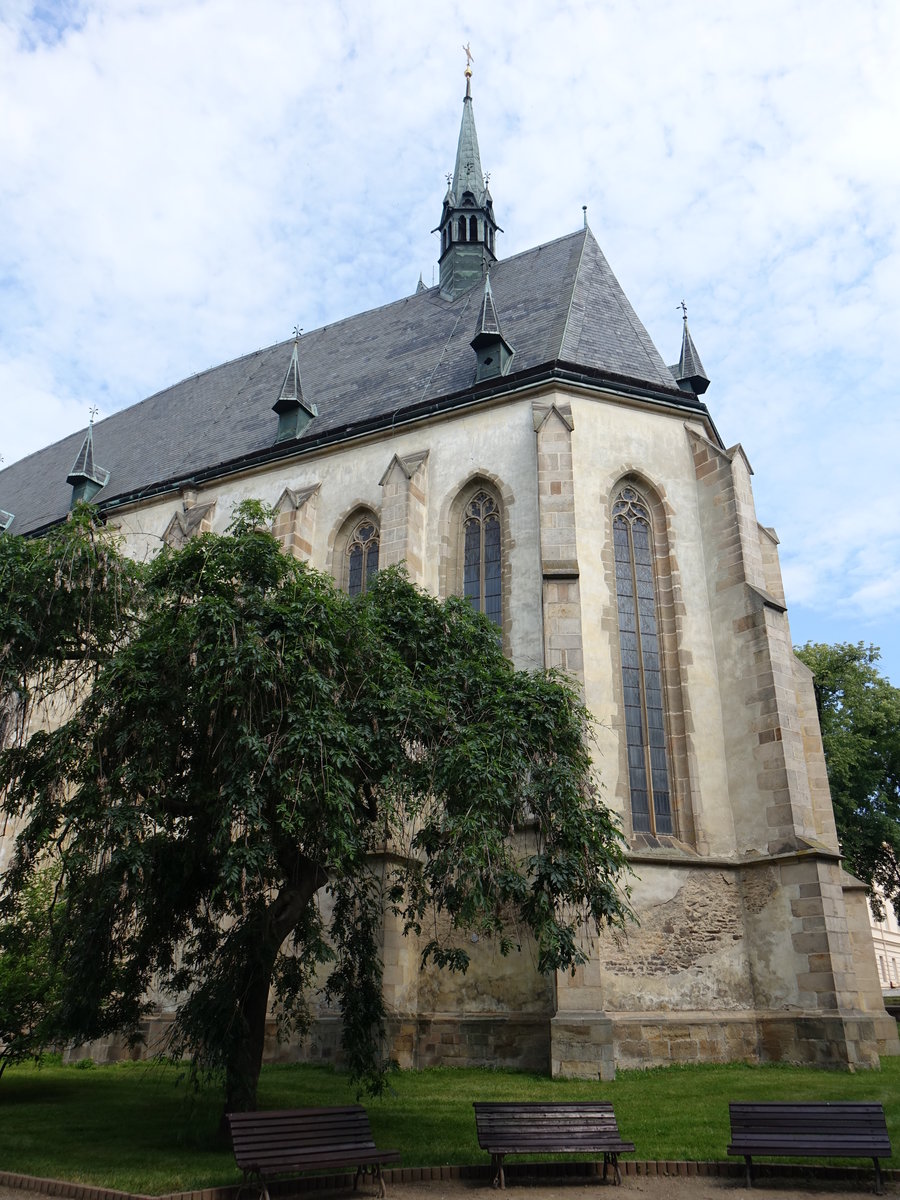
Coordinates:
(575, 275)
(497, 266)
(640, 330)
(563, 237)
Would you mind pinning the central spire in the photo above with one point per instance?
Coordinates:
(468, 228)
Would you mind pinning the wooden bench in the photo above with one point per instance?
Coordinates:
(287, 1141)
(829, 1129)
(537, 1128)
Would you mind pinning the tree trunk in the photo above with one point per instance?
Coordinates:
(275, 923)
(242, 1072)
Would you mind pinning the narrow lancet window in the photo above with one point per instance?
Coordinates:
(648, 772)
(362, 557)
(481, 556)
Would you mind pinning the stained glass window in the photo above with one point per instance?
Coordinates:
(362, 557)
(648, 772)
(481, 556)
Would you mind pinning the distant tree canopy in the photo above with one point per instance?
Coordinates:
(239, 735)
(859, 710)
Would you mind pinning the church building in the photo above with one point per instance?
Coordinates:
(513, 435)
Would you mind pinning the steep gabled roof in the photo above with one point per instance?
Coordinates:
(602, 327)
(561, 305)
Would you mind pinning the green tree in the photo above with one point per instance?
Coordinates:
(29, 981)
(250, 736)
(859, 711)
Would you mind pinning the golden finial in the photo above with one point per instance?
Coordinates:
(469, 61)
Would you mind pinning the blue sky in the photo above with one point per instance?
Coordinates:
(185, 181)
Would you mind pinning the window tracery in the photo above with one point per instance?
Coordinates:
(642, 681)
(482, 555)
(362, 556)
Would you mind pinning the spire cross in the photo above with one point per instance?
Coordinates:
(297, 331)
(449, 178)
(93, 410)
(683, 308)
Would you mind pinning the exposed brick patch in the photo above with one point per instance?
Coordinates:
(703, 917)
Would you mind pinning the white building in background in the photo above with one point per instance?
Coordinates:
(886, 937)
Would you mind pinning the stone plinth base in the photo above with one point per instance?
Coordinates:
(585, 1045)
(582, 1046)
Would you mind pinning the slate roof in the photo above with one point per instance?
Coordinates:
(559, 304)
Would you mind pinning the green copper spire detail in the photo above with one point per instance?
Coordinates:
(86, 478)
(468, 228)
(689, 370)
(468, 176)
(492, 350)
(294, 411)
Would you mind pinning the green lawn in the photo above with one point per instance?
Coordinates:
(139, 1126)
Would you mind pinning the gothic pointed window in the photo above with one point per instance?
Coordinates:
(639, 647)
(482, 556)
(362, 556)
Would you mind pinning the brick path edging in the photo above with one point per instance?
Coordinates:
(515, 1173)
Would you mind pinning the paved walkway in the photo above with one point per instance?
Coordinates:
(644, 1187)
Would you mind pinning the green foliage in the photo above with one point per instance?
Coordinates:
(65, 601)
(30, 982)
(859, 711)
(250, 737)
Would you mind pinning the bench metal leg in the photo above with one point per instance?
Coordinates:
(259, 1182)
(879, 1184)
(611, 1159)
(375, 1171)
(499, 1180)
(748, 1162)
